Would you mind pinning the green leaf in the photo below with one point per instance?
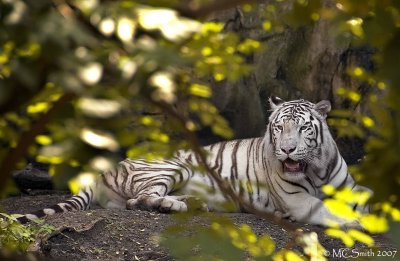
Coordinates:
(337, 233)
(360, 236)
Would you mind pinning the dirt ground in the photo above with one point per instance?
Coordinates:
(101, 234)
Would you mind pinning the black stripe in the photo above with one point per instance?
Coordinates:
(89, 199)
(344, 181)
(219, 158)
(316, 132)
(116, 183)
(125, 173)
(57, 208)
(80, 204)
(84, 202)
(256, 163)
(23, 220)
(287, 192)
(234, 167)
(249, 154)
(295, 184)
(270, 134)
(321, 131)
(105, 182)
(39, 213)
(330, 167)
(160, 184)
(267, 203)
(330, 176)
(68, 206)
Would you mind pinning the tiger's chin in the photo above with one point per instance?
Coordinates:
(294, 168)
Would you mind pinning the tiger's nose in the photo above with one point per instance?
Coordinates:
(288, 150)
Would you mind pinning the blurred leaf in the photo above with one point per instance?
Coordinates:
(374, 224)
(337, 233)
(361, 237)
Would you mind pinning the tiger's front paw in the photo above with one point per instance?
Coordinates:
(165, 204)
(285, 215)
(193, 203)
(169, 205)
(355, 224)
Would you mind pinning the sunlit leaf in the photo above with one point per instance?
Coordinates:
(267, 25)
(395, 213)
(38, 107)
(337, 233)
(287, 255)
(247, 7)
(328, 189)
(54, 160)
(155, 18)
(91, 73)
(248, 46)
(29, 50)
(355, 25)
(374, 224)
(87, 5)
(219, 76)
(43, 140)
(165, 86)
(100, 108)
(382, 85)
(128, 67)
(99, 139)
(126, 29)
(360, 236)
(83, 180)
(107, 26)
(167, 21)
(200, 90)
(340, 208)
(206, 51)
(266, 244)
(211, 27)
(100, 163)
(367, 121)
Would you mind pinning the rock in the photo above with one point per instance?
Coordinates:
(32, 178)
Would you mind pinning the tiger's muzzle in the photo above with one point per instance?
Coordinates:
(290, 165)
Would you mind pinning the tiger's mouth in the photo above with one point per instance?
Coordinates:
(290, 165)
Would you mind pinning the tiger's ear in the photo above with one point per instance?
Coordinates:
(323, 107)
(274, 102)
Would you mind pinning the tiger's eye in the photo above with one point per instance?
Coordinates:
(303, 128)
(279, 127)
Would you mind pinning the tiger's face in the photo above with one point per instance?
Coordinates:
(296, 132)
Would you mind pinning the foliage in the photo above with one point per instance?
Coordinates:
(375, 24)
(122, 60)
(221, 239)
(17, 237)
(341, 203)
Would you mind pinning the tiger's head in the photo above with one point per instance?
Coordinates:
(296, 132)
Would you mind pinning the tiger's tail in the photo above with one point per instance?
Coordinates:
(81, 201)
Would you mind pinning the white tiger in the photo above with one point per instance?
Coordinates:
(281, 172)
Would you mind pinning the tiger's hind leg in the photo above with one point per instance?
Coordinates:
(153, 183)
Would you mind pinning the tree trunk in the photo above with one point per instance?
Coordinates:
(305, 62)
